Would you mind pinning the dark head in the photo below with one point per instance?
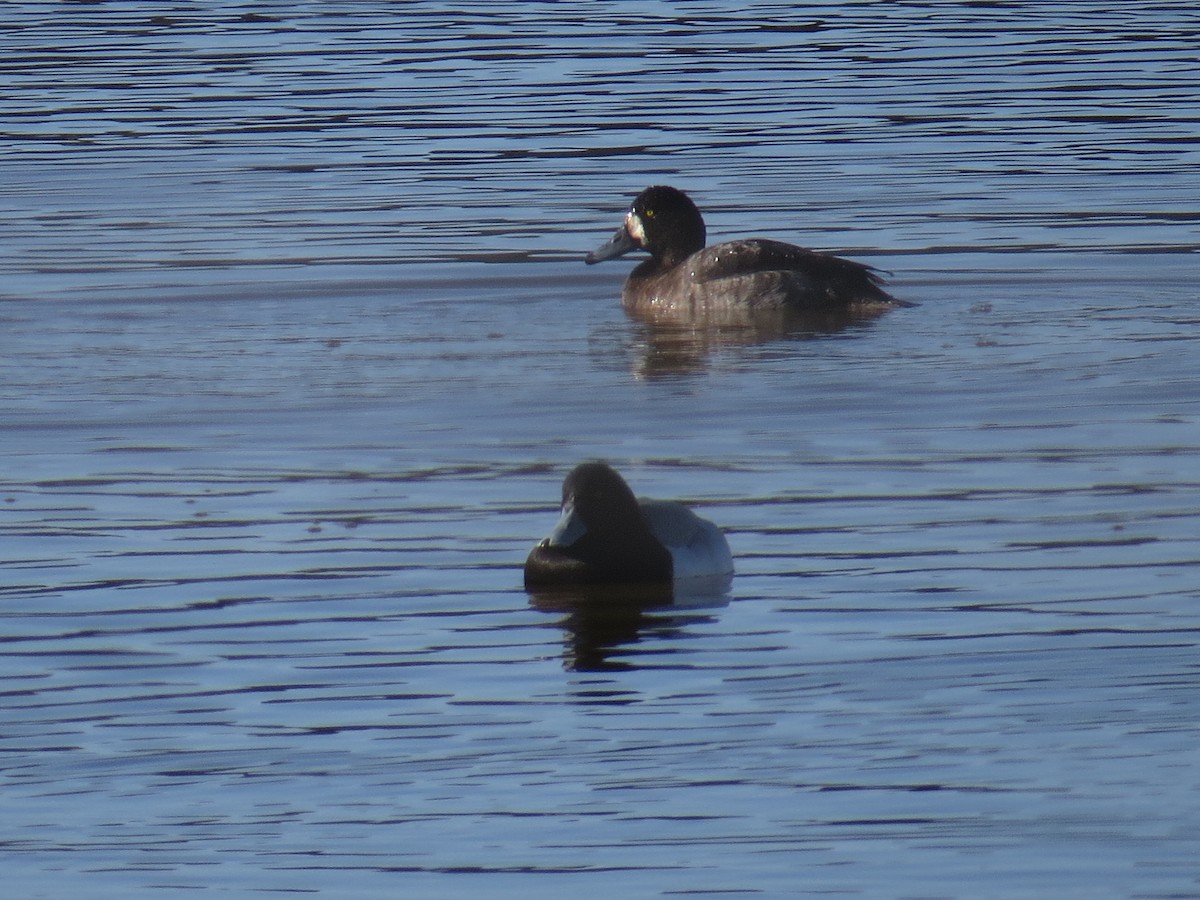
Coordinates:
(601, 537)
(662, 221)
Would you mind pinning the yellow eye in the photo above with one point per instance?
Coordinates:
(649, 214)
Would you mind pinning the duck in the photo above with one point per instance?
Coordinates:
(605, 535)
(684, 279)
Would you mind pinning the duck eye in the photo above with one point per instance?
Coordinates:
(649, 213)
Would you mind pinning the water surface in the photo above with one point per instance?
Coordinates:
(298, 346)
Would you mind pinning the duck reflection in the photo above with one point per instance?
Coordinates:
(602, 622)
(670, 348)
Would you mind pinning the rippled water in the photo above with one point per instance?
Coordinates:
(298, 346)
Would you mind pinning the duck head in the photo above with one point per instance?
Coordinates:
(664, 222)
(601, 536)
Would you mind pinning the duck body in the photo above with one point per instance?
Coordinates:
(606, 535)
(685, 279)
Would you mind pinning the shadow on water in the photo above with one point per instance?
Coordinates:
(601, 622)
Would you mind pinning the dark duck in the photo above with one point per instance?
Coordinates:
(685, 280)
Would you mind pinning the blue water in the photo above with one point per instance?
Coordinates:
(298, 346)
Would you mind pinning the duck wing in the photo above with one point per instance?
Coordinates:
(697, 546)
(818, 273)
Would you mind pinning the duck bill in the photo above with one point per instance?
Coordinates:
(622, 242)
(569, 529)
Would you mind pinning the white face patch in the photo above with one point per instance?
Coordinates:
(633, 225)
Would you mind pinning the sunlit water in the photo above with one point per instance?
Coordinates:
(298, 346)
